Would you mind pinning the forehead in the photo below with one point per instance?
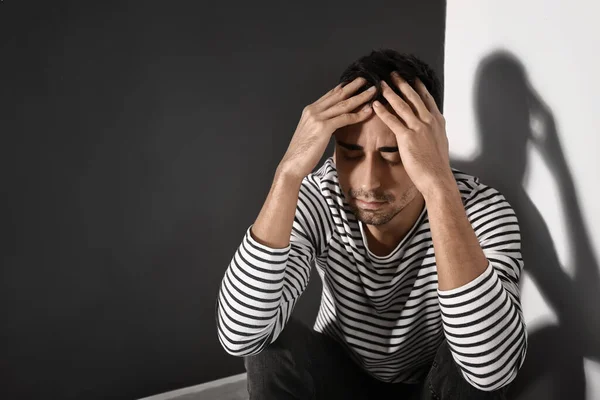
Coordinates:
(371, 131)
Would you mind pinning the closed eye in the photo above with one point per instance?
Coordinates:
(353, 157)
(392, 158)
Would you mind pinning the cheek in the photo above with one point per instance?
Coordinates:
(402, 178)
(345, 181)
(399, 182)
(344, 184)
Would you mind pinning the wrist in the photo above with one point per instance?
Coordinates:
(288, 175)
(441, 191)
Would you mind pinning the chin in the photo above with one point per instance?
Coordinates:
(375, 218)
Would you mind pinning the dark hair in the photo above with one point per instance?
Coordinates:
(378, 65)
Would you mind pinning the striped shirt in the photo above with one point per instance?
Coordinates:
(387, 312)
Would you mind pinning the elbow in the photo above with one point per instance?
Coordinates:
(239, 348)
(505, 374)
(238, 343)
(493, 383)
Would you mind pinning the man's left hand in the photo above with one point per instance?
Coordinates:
(421, 134)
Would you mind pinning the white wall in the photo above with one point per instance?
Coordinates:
(500, 55)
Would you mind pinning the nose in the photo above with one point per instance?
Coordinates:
(370, 174)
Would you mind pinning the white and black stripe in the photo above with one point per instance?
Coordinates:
(386, 311)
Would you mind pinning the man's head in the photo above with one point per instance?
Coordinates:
(366, 154)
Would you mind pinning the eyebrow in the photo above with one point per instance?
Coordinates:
(384, 149)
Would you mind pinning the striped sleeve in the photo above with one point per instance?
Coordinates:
(261, 285)
(483, 320)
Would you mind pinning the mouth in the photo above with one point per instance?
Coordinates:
(369, 205)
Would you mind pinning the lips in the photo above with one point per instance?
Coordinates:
(370, 205)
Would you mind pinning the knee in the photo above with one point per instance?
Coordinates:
(445, 376)
(280, 368)
(289, 350)
(270, 358)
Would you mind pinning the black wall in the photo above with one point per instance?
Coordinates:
(138, 141)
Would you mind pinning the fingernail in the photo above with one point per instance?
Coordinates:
(371, 89)
(366, 108)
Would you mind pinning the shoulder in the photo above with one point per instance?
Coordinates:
(491, 215)
(477, 195)
(323, 180)
(313, 213)
(316, 190)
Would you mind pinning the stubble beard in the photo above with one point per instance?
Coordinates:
(385, 215)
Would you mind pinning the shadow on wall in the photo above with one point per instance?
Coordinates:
(504, 104)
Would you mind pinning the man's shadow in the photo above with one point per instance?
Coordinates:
(505, 104)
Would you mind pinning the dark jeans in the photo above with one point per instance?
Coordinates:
(305, 364)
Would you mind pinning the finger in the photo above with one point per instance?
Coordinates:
(329, 93)
(400, 106)
(413, 97)
(426, 97)
(348, 105)
(340, 94)
(390, 119)
(351, 117)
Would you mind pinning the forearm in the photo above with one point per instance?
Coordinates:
(458, 254)
(267, 275)
(479, 301)
(250, 297)
(273, 226)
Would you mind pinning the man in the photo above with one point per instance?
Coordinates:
(420, 262)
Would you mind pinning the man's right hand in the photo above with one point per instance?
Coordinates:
(335, 109)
